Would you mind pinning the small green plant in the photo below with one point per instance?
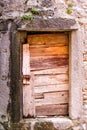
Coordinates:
(70, 4)
(34, 11)
(69, 10)
(27, 17)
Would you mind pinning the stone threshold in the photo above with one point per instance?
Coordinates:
(54, 123)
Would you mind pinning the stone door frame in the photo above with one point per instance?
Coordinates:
(18, 38)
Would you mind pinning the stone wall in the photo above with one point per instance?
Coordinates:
(13, 12)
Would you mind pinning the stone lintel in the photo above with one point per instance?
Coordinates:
(51, 24)
(45, 29)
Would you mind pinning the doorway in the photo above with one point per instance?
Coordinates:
(46, 75)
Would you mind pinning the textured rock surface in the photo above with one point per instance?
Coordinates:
(4, 72)
(48, 10)
(1, 127)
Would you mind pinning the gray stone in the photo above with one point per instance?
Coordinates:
(1, 127)
(46, 3)
(57, 10)
(58, 23)
(46, 12)
(1, 11)
(4, 74)
(31, 2)
(55, 123)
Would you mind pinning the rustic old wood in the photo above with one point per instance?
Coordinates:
(26, 59)
(51, 110)
(45, 39)
(39, 96)
(53, 98)
(49, 64)
(51, 88)
(28, 89)
(48, 50)
(50, 79)
(58, 70)
(28, 99)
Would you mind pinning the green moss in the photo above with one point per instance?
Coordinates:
(70, 4)
(34, 11)
(44, 126)
(27, 17)
(69, 10)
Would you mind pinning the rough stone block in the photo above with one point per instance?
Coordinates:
(31, 2)
(1, 127)
(46, 3)
(44, 126)
(77, 128)
(51, 124)
(4, 75)
(56, 23)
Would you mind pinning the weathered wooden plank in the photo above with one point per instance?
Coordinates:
(46, 63)
(48, 45)
(53, 98)
(44, 51)
(43, 39)
(39, 96)
(42, 62)
(26, 60)
(51, 88)
(48, 57)
(41, 80)
(59, 70)
(51, 110)
(28, 99)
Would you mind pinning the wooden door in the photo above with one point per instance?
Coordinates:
(48, 70)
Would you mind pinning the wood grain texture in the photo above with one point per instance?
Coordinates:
(44, 51)
(48, 62)
(45, 39)
(58, 70)
(28, 87)
(53, 98)
(38, 95)
(51, 110)
(26, 60)
(51, 88)
(44, 80)
(28, 99)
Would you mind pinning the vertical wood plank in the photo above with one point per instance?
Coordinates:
(26, 59)
(28, 87)
(28, 99)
